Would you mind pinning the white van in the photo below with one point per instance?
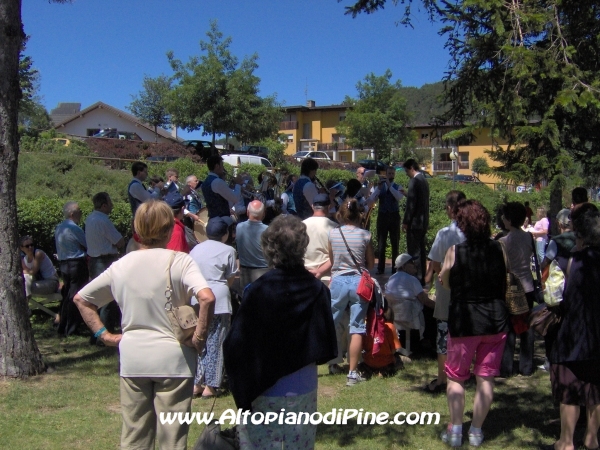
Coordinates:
(236, 160)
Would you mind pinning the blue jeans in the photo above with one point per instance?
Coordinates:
(540, 248)
(343, 293)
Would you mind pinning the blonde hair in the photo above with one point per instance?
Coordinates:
(153, 223)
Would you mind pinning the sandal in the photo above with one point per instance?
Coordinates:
(437, 389)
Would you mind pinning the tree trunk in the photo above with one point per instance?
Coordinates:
(556, 191)
(19, 354)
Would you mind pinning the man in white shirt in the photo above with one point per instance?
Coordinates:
(406, 296)
(317, 261)
(444, 239)
(219, 198)
(103, 243)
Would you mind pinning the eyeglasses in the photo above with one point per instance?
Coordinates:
(28, 246)
(360, 173)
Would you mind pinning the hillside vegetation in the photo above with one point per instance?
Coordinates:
(47, 181)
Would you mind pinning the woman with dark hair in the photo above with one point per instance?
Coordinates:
(281, 331)
(477, 321)
(519, 248)
(38, 272)
(347, 243)
(575, 348)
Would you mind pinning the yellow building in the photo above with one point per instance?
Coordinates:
(440, 151)
(313, 128)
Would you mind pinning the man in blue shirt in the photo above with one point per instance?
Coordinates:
(252, 260)
(70, 248)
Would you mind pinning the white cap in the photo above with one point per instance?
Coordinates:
(403, 259)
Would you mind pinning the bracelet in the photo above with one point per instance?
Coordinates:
(198, 338)
(99, 332)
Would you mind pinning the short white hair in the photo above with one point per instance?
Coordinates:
(69, 209)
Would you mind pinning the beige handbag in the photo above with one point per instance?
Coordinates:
(184, 318)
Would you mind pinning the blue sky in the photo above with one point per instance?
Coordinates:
(100, 50)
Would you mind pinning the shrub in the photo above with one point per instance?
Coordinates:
(127, 149)
(185, 166)
(68, 177)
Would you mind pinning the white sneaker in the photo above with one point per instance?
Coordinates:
(475, 439)
(450, 438)
(354, 378)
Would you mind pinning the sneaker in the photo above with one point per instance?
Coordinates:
(354, 378)
(335, 369)
(475, 439)
(450, 438)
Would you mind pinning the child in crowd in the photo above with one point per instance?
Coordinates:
(386, 362)
(172, 176)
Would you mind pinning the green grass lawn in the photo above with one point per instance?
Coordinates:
(76, 405)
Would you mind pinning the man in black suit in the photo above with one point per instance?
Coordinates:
(416, 216)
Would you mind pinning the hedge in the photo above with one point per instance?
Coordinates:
(39, 218)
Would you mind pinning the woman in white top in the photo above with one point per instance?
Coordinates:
(157, 371)
(540, 233)
(38, 272)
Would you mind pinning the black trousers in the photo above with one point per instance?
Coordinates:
(75, 275)
(110, 314)
(415, 246)
(525, 351)
(387, 223)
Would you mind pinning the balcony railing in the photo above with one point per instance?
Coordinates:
(289, 125)
(333, 146)
(435, 142)
(446, 166)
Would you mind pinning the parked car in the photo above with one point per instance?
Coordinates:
(370, 164)
(460, 178)
(129, 136)
(321, 156)
(204, 149)
(237, 159)
(400, 168)
(107, 133)
(255, 150)
(63, 141)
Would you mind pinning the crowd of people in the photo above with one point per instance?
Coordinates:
(299, 277)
